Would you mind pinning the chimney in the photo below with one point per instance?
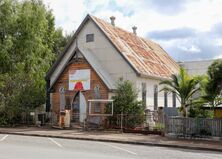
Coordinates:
(112, 18)
(134, 29)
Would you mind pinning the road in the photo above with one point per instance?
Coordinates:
(23, 147)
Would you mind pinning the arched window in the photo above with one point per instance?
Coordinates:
(144, 93)
(97, 96)
(174, 99)
(155, 97)
(165, 99)
(62, 98)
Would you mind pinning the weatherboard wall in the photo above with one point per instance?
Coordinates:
(63, 81)
(105, 53)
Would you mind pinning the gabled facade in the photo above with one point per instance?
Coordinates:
(104, 53)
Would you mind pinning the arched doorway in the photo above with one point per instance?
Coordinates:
(78, 108)
(75, 108)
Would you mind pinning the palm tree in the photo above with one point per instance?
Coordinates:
(183, 86)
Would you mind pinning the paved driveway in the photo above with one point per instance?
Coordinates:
(20, 147)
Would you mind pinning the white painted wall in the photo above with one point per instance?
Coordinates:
(106, 54)
(114, 63)
(150, 83)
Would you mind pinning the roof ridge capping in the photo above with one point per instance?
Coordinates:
(117, 27)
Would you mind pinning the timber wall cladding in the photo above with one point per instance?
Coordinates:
(63, 81)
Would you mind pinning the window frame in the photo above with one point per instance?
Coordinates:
(90, 38)
(165, 99)
(174, 100)
(155, 102)
(144, 92)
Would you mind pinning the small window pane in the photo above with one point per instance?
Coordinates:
(89, 38)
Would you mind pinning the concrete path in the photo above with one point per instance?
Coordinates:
(20, 147)
(127, 138)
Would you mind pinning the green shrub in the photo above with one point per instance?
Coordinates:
(126, 103)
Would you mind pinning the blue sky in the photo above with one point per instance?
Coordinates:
(186, 29)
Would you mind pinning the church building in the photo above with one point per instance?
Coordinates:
(98, 54)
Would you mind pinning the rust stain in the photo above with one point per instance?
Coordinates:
(146, 56)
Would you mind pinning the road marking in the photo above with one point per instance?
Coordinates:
(119, 148)
(58, 144)
(3, 138)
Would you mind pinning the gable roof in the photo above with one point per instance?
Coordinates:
(146, 58)
(101, 72)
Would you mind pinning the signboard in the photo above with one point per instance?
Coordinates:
(79, 79)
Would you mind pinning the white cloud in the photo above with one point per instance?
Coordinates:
(148, 16)
(68, 13)
(218, 57)
(191, 49)
(199, 14)
(218, 41)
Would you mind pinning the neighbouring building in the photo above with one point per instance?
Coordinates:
(196, 67)
(200, 68)
(98, 54)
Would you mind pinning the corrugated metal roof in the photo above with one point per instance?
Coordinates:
(147, 57)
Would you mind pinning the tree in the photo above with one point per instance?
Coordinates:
(126, 103)
(61, 41)
(29, 43)
(183, 86)
(212, 94)
(196, 108)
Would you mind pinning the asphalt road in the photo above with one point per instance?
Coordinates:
(26, 147)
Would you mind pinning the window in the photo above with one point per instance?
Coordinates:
(144, 93)
(97, 96)
(97, 107)
(165, 99)
(68, 103)
(89, 38)
(174, 99)
(155, 97)
(62, 98)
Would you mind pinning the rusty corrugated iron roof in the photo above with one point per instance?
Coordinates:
(147, 57)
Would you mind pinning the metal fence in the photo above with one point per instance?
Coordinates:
(24, 118)
(193, 127)
(150, 121)
(126, 122)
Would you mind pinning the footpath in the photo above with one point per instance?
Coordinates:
(117, 137)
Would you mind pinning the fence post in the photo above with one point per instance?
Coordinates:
(121, 122)
(165, 124)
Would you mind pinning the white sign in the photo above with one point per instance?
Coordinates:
(79, 79)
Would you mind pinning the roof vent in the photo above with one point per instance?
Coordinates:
(112, 18)
(134, 29)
